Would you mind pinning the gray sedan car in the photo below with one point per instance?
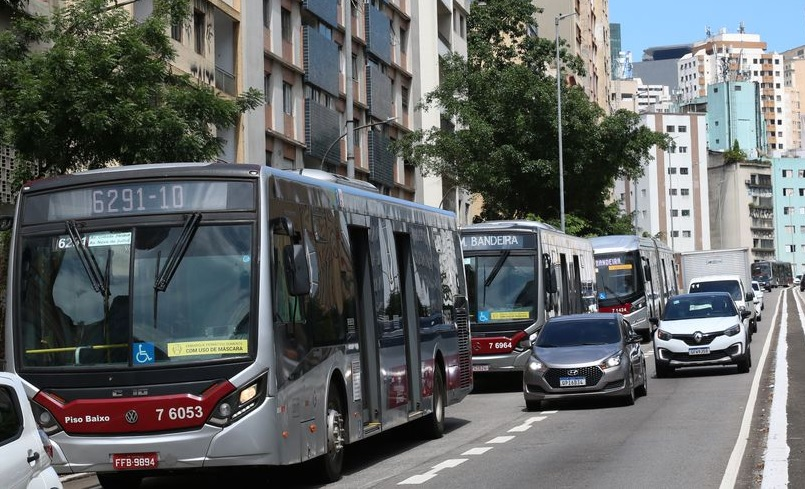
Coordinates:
(583, 355)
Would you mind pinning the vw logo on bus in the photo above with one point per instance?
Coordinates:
(131, 416)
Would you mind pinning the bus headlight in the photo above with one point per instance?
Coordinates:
(46, 421)
(234, 406)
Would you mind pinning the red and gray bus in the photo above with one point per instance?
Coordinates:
(636, 275)
(520, 273)
(186, 316)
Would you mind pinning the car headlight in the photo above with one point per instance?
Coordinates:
(612, 362)
(536, 365)
(732, 331)
(664, 335)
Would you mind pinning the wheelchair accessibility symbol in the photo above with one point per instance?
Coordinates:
(483, 316)
(142, 353)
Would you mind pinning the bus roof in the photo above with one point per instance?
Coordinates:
(509, 225)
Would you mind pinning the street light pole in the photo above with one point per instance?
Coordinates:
(559, 122)
(348, 132)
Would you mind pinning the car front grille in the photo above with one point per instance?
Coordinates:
(591, 374)
(707, 338)
(713, 355)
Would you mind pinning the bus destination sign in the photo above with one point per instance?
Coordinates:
(498, 242)
(139, 198)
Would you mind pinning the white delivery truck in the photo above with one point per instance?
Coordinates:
(710, 270)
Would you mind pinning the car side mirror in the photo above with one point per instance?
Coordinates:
(635, 338)
(654, 321)
(745, 314)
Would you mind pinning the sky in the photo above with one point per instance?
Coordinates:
(649, 23)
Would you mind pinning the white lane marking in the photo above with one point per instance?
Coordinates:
(525, 426)
(422, 478)
(775, 459)
(500, 439)
(734, 464)
(477, 451)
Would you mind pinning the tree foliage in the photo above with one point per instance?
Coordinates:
(734, 155)
(90, 85)
(505, 142)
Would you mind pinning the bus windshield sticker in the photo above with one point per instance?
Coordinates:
(627, 266)
(217, 347)
(142, 353)
(510, 315)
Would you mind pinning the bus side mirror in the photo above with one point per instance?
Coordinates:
(297, 271)
(549, 275)
(647, 273)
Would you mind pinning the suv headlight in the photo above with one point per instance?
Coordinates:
(535, 365)
(664, 335)
(732, 331)
(240, 402)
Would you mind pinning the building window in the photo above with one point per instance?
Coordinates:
(403, 40)
(355, 71)
(670, 129)
(683, 170)
(788, 211)
(683, 149)
(788, 173)
(790, 248)
(287, 34)
(789, 229)
(176, 32)
(675, 234)
(672, 191)
(685, 212)
(682, 128)
(405, 94)
(267, 88)
(686, 234)
(674, 213)
(684, 191)
(672, 170)
(287, 98)
(267, 13)
(199, 30)
(787, 192)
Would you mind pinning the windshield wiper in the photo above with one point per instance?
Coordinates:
(177, 252)
(88, 261)
(496, 268)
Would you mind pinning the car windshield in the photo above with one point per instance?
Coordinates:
(699, 307)
(576, 333)
(731, 286)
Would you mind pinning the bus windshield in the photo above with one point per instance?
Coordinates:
(501, 287)
(617, 277)
(123, 318)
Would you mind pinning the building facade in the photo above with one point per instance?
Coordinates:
(587, 35)
(740, 57)
(671, 198)
(734, 114)
(788, 190)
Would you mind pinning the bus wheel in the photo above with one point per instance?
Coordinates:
(331, 463)
(116, 480)
(433, 424)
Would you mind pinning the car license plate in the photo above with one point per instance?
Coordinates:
(480, 368)
(700, 350)
(572, 381)
(134, 461)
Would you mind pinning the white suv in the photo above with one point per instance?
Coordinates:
(24, 448)
(698, 330)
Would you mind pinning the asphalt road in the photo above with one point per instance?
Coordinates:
(703, 428)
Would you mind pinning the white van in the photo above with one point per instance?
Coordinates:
(743, 296)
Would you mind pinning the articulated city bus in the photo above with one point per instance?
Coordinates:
(636, 276)
(520, 273)
(186, 316)
(771, 274)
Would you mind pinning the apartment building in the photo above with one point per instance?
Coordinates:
(794, 82)
(671, 198)
(586, 33)
(787, 193)
(739, 57)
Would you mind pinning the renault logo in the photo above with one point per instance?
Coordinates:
(697, 336)
(132, 417)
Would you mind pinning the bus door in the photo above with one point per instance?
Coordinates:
(411, 307)
(369, 368)
(391, 332)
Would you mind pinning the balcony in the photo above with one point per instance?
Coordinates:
(225, 82)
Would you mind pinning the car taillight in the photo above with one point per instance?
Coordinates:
(46, 442)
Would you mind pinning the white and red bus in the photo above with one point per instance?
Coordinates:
(636, 276)
(520, 273)
(187, 316)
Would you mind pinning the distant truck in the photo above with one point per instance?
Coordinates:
(733, 261)
(725, 270)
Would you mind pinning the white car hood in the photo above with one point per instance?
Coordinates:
(703, 325)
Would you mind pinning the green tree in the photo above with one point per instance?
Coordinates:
(734, 155)
(102, 91)
(504, 146)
